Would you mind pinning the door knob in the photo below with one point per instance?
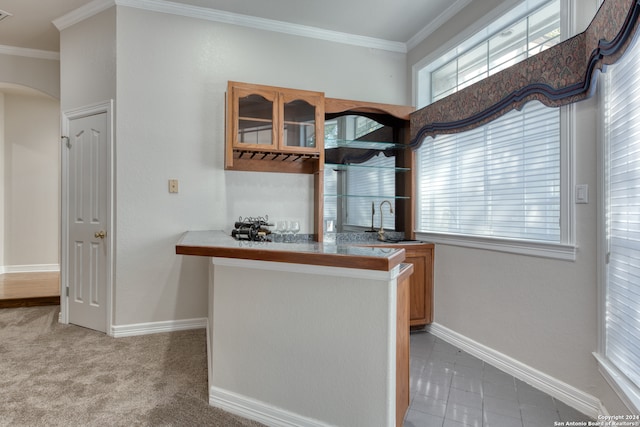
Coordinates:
(100, 234)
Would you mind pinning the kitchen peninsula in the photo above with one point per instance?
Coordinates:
(306, 333)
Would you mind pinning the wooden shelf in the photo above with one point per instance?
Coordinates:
(275, 161)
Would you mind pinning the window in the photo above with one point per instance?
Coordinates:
(500, 180)
(518, 41)
(528, 29)
(620, 355)
(505, 184)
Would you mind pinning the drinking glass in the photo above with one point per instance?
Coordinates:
(294, 228)
(281, 229)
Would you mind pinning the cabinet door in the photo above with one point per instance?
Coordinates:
(302, 127)
(256, 116)
(421, 309)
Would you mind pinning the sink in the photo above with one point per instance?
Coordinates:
(400, 241)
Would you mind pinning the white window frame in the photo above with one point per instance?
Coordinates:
(566, 249)
(628, 392)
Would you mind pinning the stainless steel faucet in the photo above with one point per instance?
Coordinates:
(381, 235)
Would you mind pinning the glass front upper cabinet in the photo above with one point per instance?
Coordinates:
(252, 117)
(265, 118)
(299, 124)
(256, 120)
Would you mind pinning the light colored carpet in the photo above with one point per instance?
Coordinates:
(65, 375)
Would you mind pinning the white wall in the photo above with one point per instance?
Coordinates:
(42, 75)
(88, 61)
(2, 179)
(170, 125)
(538, 311)
(35, 73)
(31, 189)
(354, 365)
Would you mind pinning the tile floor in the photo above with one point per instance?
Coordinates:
(451, 388)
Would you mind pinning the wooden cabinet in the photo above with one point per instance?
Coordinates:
(421, 286)
(367, 161)
(274, 129)
(420, 282)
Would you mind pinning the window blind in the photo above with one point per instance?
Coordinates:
(371, 182)
(622, 207)
(501, 180)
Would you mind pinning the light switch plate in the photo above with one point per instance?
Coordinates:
(582, 193)
(173, 186)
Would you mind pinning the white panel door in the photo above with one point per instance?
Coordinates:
(87, 221)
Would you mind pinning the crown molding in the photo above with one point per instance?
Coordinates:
(449, 13)
(214, 15)
(263, 24)
(82, 13)
(30, 53)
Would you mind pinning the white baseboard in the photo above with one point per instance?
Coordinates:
(32, 268)
(577, 399)
(118, 331)
(258, 411)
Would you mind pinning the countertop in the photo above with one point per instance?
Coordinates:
(220, 244)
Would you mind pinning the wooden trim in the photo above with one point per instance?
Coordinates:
(335, 105)
(254, 165)
(228, 134)
(318, 209)
(405, 186)
(410, 188)
(402, 343)
(326, 259)
(29, 302)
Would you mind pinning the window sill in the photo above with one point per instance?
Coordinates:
(626, 391)
(545, 250)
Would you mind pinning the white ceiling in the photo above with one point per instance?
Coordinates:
(31, 27)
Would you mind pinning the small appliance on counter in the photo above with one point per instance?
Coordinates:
(250, 228)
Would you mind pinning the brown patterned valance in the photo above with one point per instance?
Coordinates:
(560, 75)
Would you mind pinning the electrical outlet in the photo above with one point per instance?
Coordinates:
(173, 186)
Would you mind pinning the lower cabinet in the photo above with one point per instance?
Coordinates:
(420, 282)
(421, 287)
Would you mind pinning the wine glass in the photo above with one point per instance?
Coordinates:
(294, 228)
(281, 229)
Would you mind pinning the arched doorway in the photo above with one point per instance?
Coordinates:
(29, 192)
